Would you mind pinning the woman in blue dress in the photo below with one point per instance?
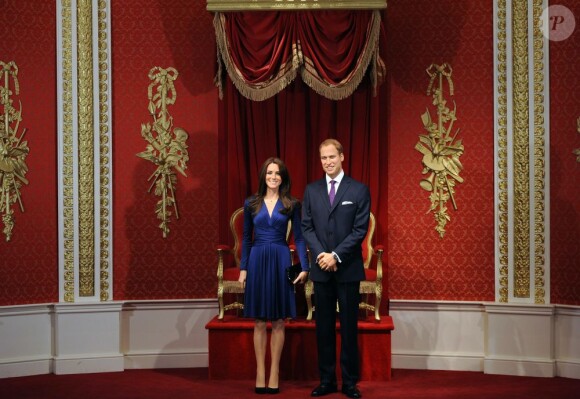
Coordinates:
(269, 296)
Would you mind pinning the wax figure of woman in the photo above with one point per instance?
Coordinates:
(269, 296)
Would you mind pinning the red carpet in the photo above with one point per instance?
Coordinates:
(195, 384)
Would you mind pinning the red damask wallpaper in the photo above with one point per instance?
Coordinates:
(29, 262)
(565, 170)
(421, 265)
(179, 34)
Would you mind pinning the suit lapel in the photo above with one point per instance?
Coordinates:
(323, 191)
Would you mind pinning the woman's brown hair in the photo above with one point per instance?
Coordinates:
(284, 190)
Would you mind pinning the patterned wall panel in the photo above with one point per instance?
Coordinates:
(29, 262)
(564, 170)
(421, 264)
(179, 34)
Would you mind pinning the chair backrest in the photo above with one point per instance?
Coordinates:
(367, 244)
(237, 227)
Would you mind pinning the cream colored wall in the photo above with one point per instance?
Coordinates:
(527, 340)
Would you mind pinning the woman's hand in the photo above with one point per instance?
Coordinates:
(242, 278)
(302, 277)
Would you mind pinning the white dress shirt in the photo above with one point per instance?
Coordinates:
(337, 179)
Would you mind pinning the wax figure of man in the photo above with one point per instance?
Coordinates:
(335, 218)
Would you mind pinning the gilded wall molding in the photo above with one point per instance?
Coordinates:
(105, 179)
(539, 158)
(84, 151)
(521, 147)
(293, 5)
(86, 148)
(502, 154)
(521, 93)
(66, 155)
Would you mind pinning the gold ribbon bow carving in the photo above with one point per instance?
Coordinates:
(440, 149)
(13, 151)
(166, 145)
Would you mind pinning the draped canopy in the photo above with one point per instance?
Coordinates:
(263, 52)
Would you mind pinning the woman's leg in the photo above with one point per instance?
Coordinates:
(260, 341)
(276, 345)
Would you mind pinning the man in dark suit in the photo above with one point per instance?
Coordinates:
(335, 218)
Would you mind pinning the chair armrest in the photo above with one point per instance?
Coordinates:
(379, 249)
(221, 248)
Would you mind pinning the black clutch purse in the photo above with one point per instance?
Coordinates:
(292, 272)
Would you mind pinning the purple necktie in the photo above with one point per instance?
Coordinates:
(332, 192)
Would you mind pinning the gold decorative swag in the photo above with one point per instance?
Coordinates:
(166, 145)
(13, 151)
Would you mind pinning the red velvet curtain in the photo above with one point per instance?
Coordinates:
(331, 50)
(292, 124)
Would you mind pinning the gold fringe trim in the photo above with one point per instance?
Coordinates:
(258, 92)
(217, 80)
(220, 40)
(348, 85)
(289, 71)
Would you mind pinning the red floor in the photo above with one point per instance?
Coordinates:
(195, 384)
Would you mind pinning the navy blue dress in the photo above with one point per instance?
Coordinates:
(268, 294)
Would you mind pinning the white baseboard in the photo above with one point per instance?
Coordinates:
(527, 368)
(166, 360)
(85, 364)
(22, 367)
(69, 338)
(438, 335)
(433, 361)
(166, 334)
(568, 369)
(489, 337)
(26, 340)
(433, 335)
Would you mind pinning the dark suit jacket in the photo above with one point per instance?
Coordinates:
(340, 228)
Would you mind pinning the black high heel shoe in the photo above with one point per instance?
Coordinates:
(273, 391)
(261, 390)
